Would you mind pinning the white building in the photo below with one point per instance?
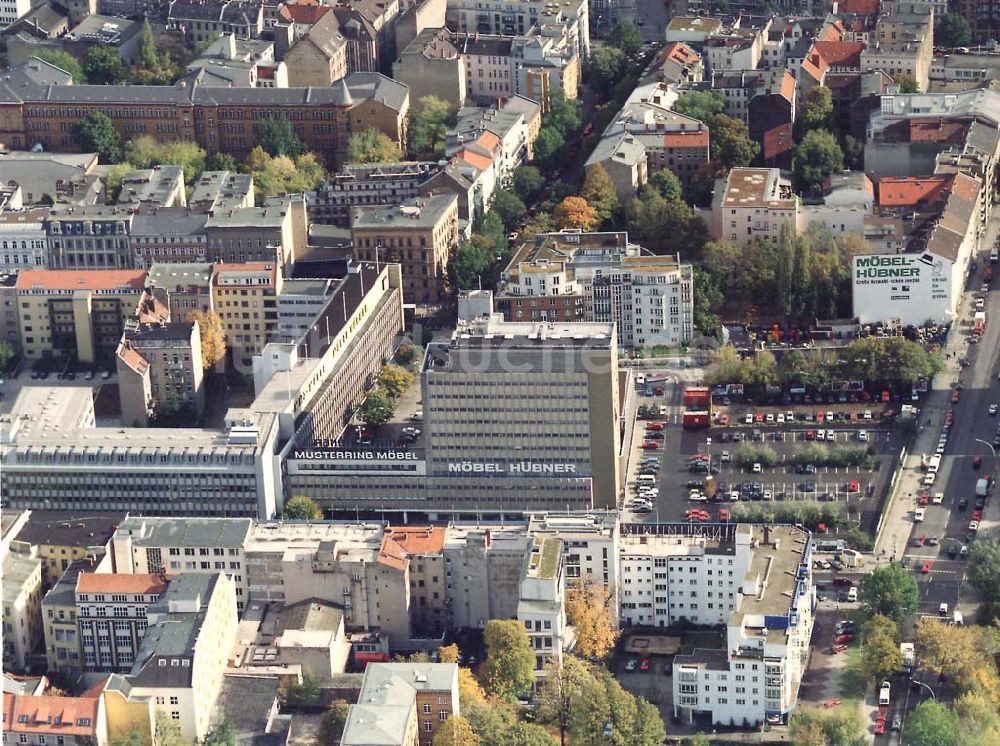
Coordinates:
(752, 202)
(757, 675)
(23, 242)
(517, 17)
(11, 10)
(541, 602)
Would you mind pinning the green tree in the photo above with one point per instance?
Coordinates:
(469, 264)
(456, 731)
(331, 727)
(103, 66)
(626, 37)
(854, 153)
(708, 301)
(524, 734)
(509, 207)
(167, 732)
(394, 380)
(907, 84)
(953, 31)
(151, 67)
(880, 655)
(700, 105)
(95, 133)
(816, 157)
(147, 56)
(931, 724)
(528, 183)
(667, 184)
(304, 695)
(507, 672)
(560, 692)
(889, 590)
(372, 146)
(220, 162)
(277, 137)
(599, 192)
(607, 714)
(564, 116)
(810, 726)
(377, 408)
(730, 143)
(8, 356)
(302, 508)
(888, 360)
(64, 61)
(983, 567)
(429, 127)
(815, 112)
(220, 735)
(604, 69)
(548, 146)
(666, 226)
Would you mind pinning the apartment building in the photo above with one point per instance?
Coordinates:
(402, 703)
(22, 610)
(63, 653)
(175, 546)
(11, 10)
(420, 235)
(220, 119)
(79, 313)
(181, 288)
(481, 418)
(300, 303)
(765, 100)
(904, 41)
(757, 676)
(217, 191)
(160, 370)
(357, 184)
(245, 298)
(94, 237)
(430, 65)
(277, 231)
(23, 241)
(424, 548)
(517, 18)
(61, 176)
(754, 202)
(600, 277)
(207, 21)
(58, 538)
(44, 718)
(983, 16)
(515, 124)
(111, 617)
(159, 186)
(540, 605)
(184, 651)
(240, 63)
(168, 235)
(319, 57)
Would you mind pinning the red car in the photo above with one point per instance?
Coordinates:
(724, 420)
(880, 727)
(843, 639)
(924, 498)
(955, 396)
(810, 435)
(977, 515)
(644, 664)
(820, 416)
(658, 391)
(759, 417)
(918, 541)
(650, 445)
(977, 462)
(654, 425)
(925, 568)
(853, 486)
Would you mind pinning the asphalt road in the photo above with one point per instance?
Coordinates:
(651, 17)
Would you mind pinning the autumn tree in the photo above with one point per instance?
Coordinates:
(588, 609)
(331, 727)
(394, 380)
(372, 146)
(510, 661)
(282, 175)
(963, 654)
(470, 692)
(599, 192)
(377, 408)
(880, 654)
(302, 508)
(560, 692)
(574, 212)
(842, 726)
(604, 713)
(455, 731)
(931, 724)
(213, 339)
(448, 653)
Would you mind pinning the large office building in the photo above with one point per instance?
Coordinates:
(517, 416)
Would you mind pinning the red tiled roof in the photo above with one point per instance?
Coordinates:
(480, 161)
(59, 716)
(788, 86)
(680, 53)
(778, 140)
(860, 7)
(304, 14)
(690, 139)
(425, 540)
(391, 554)
(133, 359)
(144, 583)
(840, 53)
(81, 279)
(937, 130)
(909, 191)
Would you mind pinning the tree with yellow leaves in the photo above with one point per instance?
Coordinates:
(448, 653)
(575, 212)
(456, 731)
(588, 609)
(213, 339)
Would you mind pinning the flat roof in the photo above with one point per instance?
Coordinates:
(694, 23)
(81, 279)
(185, 532)
(421, 212)
(775, 564)
(69, 529)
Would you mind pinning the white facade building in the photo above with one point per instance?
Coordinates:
(11, 10)
(23, 243)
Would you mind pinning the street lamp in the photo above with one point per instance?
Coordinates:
(988, 445)
(927, 687)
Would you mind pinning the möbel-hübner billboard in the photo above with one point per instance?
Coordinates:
(910, 287)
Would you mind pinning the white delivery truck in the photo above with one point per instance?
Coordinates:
(909, 653)
(982, 487)
(883, 694)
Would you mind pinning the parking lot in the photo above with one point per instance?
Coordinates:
(791, 438)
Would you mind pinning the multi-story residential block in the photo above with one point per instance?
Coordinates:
(904, 41)
(319, 57)
(222, 190)
(58, 538)
(737, 48)
(540, 604)
(23, 242)
(624, 160)
(419, 234)
(754, 202)
(10, 328)
(207, 21)
(600, 277)
(245, 298)
(300, 303)
(160, 371)
(677, 63)
(159, 186)
(357, 184)
(765, 100)
(89, 237)
(66, 721)
(983, 16)
(220, 119)
(22, 610)
(276, 232)
(516, 124)
(181, 288)
(78, 313)
(692, 29)
(517, 19)
(111, 617)
(491, 560)
(424, 548)
(240, 63)
(11, 10)
(55, 176)
(431, 65)
(770, 591)
(167, 235)
(174, 546)
(182, 658)
(63, 653)
(402, 703)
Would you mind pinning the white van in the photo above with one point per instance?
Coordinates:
(640, 379)
(884, 694)
(852, 593)
(645, 480)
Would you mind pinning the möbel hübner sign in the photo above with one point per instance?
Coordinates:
(515, 468)
(910, 287)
